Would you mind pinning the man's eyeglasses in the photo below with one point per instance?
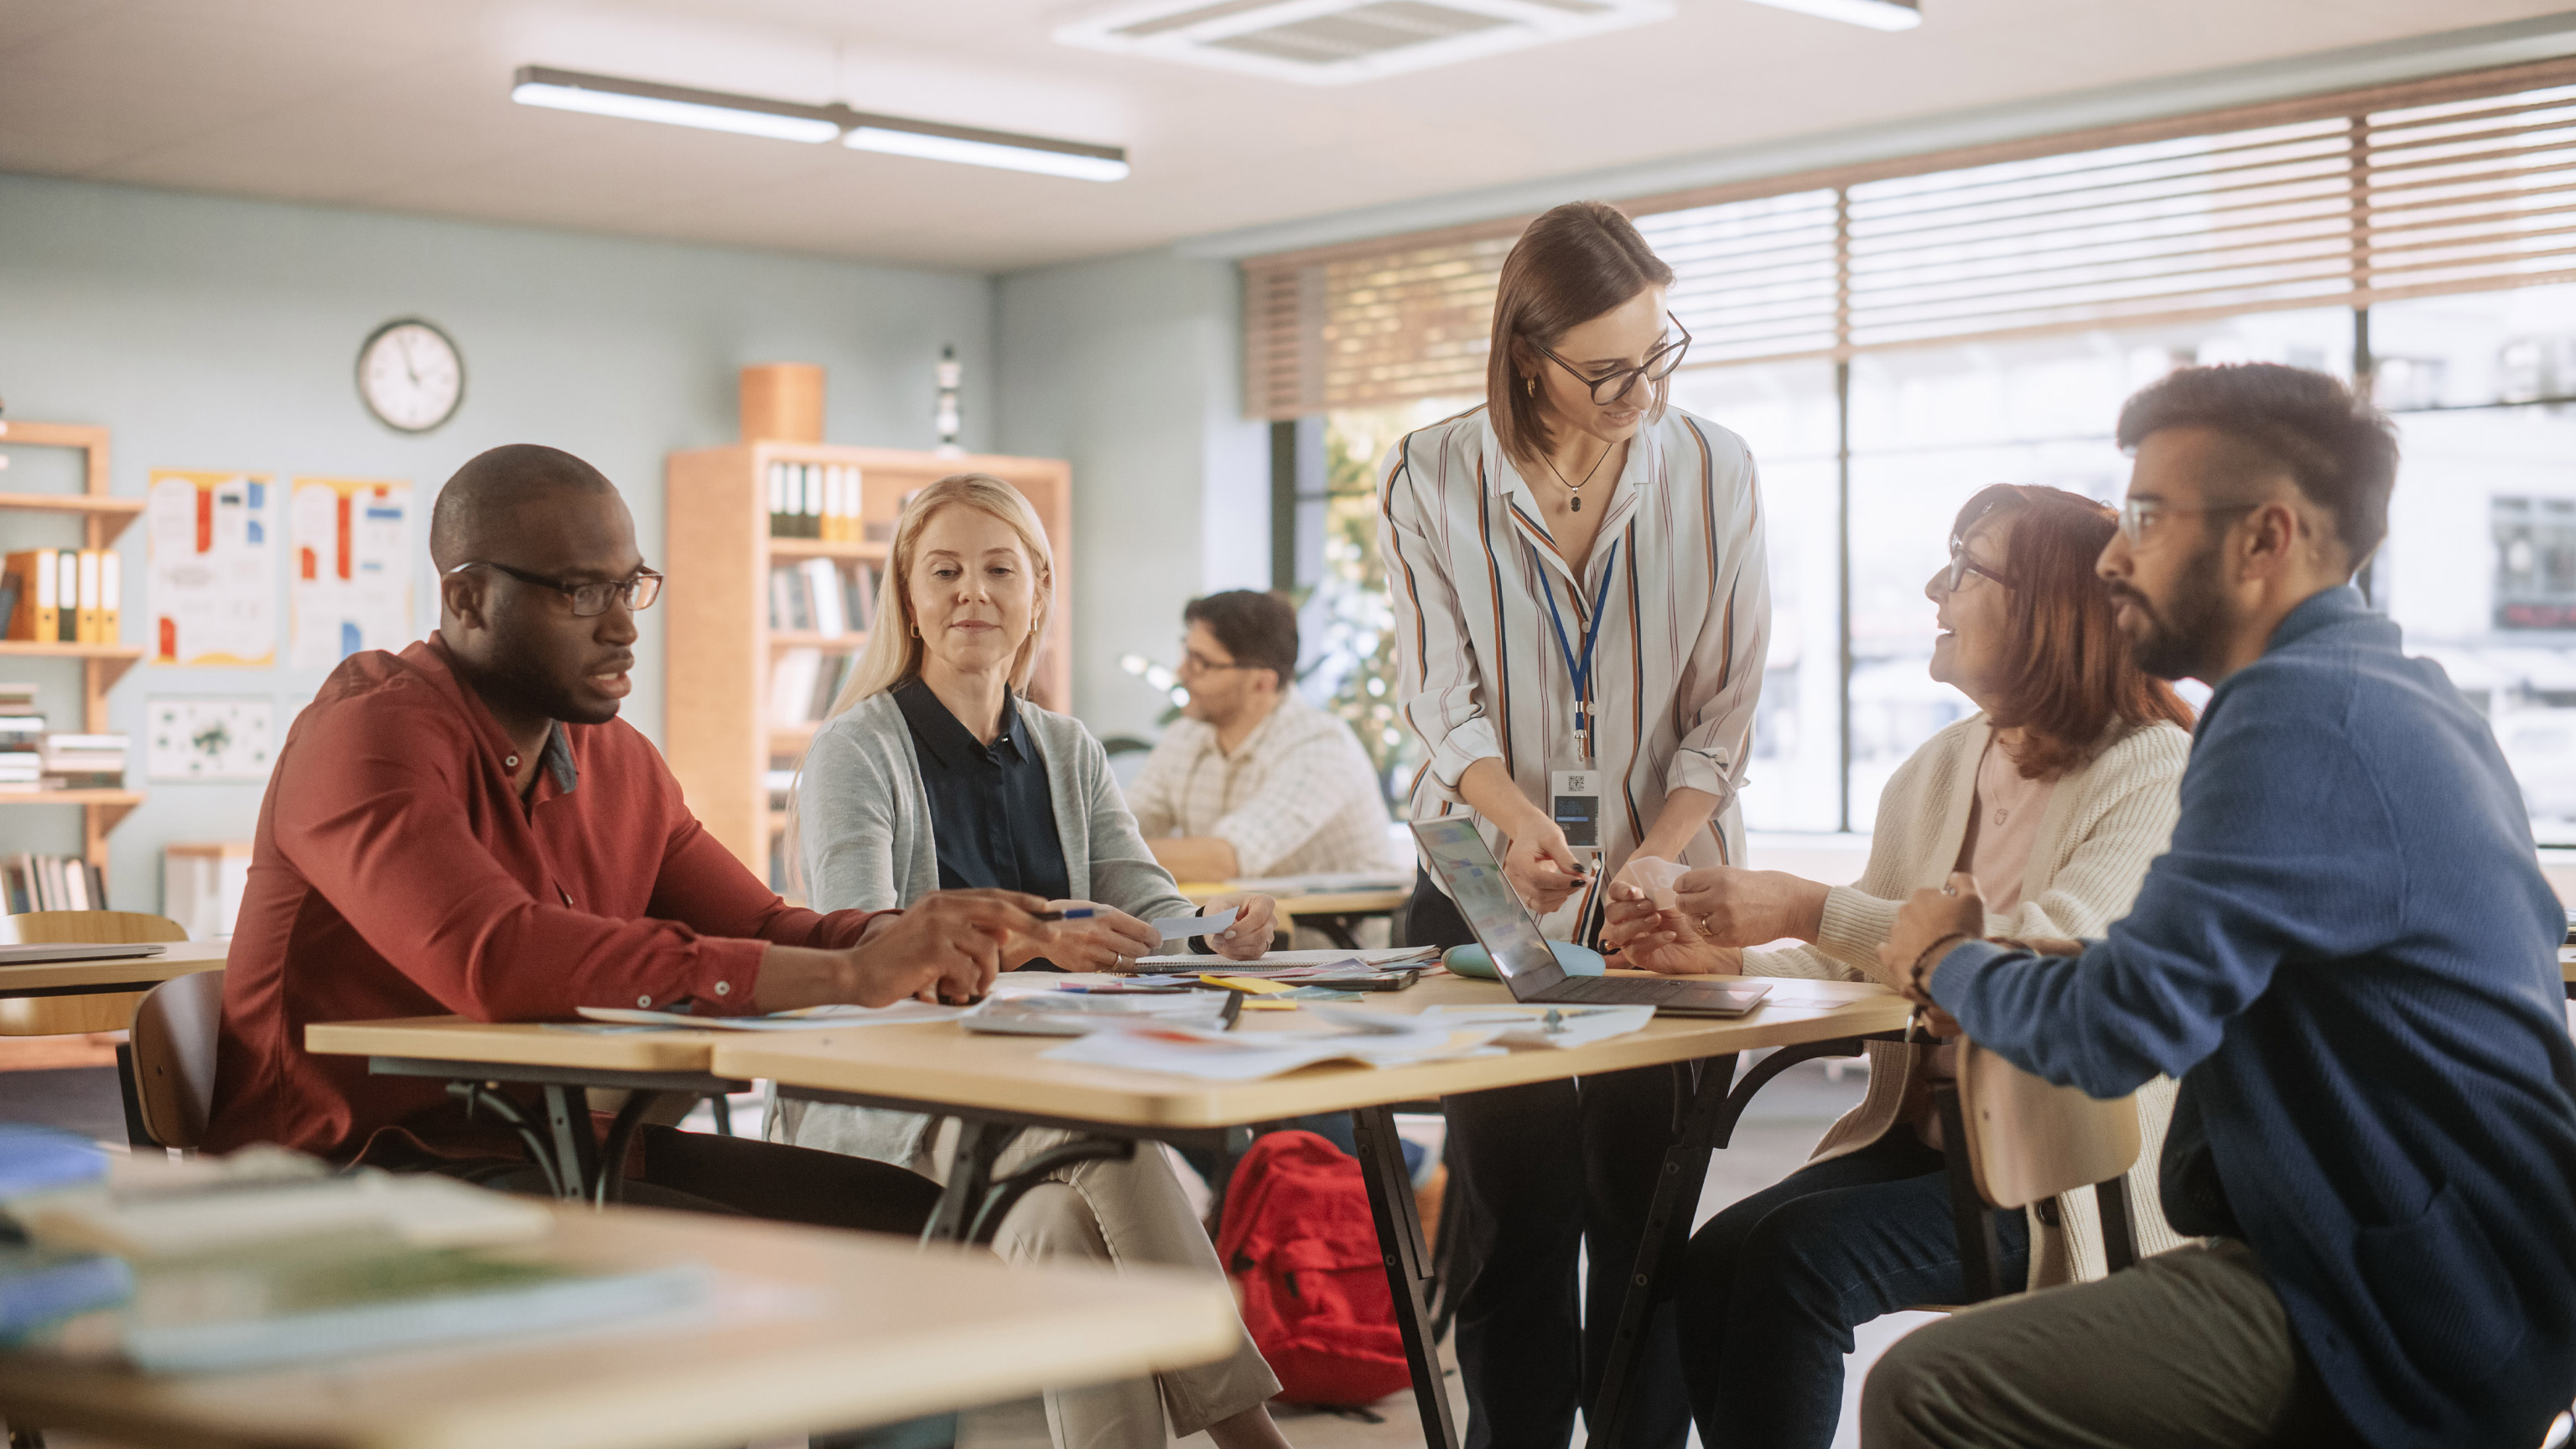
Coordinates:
(1961, 566)
(589, 598)
(2137, 515)
(1614, 385)
(1193, 662)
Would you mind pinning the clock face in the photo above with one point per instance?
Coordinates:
(410, 376)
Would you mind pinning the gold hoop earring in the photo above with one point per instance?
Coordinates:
(1533, 385)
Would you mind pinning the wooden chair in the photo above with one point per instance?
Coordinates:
(173, 1057)
(66, 1015)
(2027, 1141)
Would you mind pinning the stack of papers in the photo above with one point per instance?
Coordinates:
(1073, 1013)
(1287, 964)
(1246, 1056)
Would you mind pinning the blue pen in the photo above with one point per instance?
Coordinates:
(1077, 913)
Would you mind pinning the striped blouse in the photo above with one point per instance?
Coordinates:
(1678, 667)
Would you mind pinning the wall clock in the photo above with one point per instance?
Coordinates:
(410, 376)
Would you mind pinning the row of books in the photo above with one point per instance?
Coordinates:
(61, 595)
(803, 683)
(817, 500)
(35, 758)
(822, 596)
(51, 883)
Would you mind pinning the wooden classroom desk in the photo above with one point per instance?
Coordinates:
(873, 1329)
(132, 973)
(998, 1086)
(944, 1068)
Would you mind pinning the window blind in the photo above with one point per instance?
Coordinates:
(2458, 184)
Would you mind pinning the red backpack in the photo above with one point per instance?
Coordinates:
(1300, 1244)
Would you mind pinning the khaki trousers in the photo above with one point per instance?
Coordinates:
(2189, 1348)
(1118, 1212)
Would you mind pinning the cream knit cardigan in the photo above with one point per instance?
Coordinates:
(2105, 821)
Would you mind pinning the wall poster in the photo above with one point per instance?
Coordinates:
(213, 572)
(349, 580)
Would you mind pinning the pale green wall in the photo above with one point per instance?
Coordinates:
(217, 333)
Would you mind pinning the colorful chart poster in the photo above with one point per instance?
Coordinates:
(349, 579)
(213, 592)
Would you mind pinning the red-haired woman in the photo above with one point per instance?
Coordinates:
(1581, 613)
(2055, 796)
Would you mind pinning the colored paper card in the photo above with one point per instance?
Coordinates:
(213, 584)
(349, 568)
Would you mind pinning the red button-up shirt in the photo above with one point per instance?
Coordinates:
(396, 872)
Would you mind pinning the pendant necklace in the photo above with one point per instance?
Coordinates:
(1577, 488)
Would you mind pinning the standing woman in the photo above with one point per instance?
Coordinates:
(1581, 614)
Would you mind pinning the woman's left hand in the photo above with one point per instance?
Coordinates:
(1110, 940)
(1249, 937)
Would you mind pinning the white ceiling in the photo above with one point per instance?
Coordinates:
(403, 105)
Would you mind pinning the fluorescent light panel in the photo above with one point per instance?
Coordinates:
(1876, 14)
(989, 148)
(600, 95)
(788, 121)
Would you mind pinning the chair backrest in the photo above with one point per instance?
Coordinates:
(88, 927)
(174, 1056)
(2029, 1139)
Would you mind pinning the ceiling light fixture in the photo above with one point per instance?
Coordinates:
(1876, 14)
(600, 95)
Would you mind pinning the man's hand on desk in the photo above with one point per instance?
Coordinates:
(947, 946)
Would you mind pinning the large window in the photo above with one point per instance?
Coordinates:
(1888, 342)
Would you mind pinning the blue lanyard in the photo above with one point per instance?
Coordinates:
(1581, 670)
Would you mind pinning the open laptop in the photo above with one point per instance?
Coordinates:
(1521, 955)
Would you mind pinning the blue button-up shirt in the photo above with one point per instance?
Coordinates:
(2349, 957)
(992, 819)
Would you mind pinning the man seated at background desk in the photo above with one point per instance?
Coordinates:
(2348, 957)
(468, 827)
(1254, 781)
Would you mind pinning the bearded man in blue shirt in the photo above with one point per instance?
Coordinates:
(2349, 960)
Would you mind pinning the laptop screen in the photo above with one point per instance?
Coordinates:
(1502, 924)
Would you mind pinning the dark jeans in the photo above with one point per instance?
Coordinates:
(1776, 1283)
(1544, 1171)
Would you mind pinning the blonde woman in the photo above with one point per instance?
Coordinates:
(933, 769)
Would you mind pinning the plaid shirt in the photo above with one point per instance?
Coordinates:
(1298, 796)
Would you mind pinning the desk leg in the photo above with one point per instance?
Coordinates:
(1716, 1106)
(1408, 1266)
(576, 1150)
(1340, 930)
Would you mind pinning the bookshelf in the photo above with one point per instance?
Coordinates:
(720, 650)
(103, 517)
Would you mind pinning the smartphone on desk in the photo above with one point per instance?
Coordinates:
(1374, 981)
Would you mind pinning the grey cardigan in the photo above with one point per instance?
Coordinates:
(863, 821)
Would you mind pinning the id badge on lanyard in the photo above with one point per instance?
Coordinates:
(1574, 791)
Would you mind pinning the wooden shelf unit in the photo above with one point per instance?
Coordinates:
(719, 647)
(103, 517)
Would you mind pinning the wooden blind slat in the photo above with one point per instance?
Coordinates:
(2454, 184)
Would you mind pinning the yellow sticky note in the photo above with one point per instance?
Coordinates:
(1264, 1003)
(1252, 984)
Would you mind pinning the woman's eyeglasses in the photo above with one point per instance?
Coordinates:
(589, 598)
(1611, 386)
(1961, 566)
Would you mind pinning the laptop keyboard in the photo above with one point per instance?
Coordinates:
(1625, 988)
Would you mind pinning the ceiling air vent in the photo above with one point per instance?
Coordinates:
(1336, 42)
